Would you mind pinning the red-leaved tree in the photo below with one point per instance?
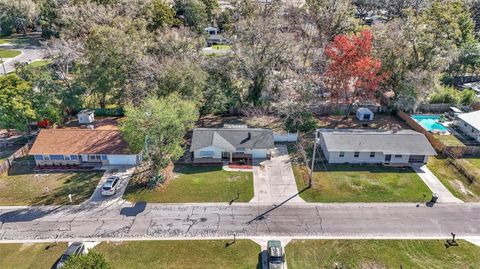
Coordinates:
(353, 74)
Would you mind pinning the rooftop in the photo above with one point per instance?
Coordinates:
(232, 138)
(372, 140)
(472, 118)
(79, 141)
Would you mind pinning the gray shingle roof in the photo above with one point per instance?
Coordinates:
(388, 142)
(232, 138)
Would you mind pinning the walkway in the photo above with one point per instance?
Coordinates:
(444, 196)
(273, 179)
(161, 221)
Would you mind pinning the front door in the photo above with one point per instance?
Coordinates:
(388, 158)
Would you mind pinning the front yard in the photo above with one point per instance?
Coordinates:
(181, 254)
(361, 183)
(196, 184)
(22, 186)
(381, 254)
(32, 256)
(454, 180)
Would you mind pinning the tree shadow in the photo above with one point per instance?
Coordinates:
(27, 214)
(133, 211)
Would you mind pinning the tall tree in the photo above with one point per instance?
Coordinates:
(157, 128)
(16, 102)
(161, 14)
(353, 74)
(18, 15)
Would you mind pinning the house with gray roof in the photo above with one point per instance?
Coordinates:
(469, 124)
(403, 147)
(219, 145)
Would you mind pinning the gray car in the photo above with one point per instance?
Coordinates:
(275, 254)
(75, 249)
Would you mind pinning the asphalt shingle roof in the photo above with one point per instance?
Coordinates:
(232, 138)
(388, 142)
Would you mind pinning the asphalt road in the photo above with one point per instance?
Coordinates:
(157, 221)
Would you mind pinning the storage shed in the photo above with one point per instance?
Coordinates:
(364, 114)
(86, 116)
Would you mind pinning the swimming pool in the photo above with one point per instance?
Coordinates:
(430, 123)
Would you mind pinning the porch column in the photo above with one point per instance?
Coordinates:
(231, 158)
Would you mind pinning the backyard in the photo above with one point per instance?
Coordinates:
(22, 186)
(31, 256)
(454, 180)
(196, 184)
(381, 254)
(449, 140)
(361, 183)
(181, 254)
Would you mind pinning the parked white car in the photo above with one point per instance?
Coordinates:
(110, 186)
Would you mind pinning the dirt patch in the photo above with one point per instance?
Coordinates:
(381, 121)
(459, 186)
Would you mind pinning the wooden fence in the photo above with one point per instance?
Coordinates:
(451, 151)
(288, 137)
(7, 163)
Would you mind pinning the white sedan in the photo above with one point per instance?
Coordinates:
(110, 186)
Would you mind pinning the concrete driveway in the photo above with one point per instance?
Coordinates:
(124, 173)
(273, 179)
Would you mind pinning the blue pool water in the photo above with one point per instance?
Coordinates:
(430, 122)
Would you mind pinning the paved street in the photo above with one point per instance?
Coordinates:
(149, 221)
(30, 52)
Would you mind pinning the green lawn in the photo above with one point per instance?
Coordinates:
(221, 47)
(9, 53)
(381, 254)
(21, 186)
(454, 180)
(361, 183)
(40, 63)
(196, 184)
(3, 41)
(449, 140)
(34, 256)
(181, 254)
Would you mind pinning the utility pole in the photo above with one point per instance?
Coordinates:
(313, 159)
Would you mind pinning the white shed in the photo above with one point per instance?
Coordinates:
(86, 116)
(364, 113)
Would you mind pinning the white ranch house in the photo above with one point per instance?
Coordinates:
(404, 147)
(219, 145)
(469, 124)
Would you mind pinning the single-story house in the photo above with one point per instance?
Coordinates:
(82, 147)
(469, 124)
(403, 147)
(218, 145)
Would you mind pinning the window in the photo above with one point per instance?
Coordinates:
(372, 154)
(104, 157)
(46, 157)
(38, 157)
(57, 157)
(67, 157)
(342, 154)
(356, 154)
(240, 150)
(206, 153)
(73, 157)
(398, 156)
(98, 157)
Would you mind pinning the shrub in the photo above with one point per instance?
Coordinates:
(447, 95)
(92, 260)
(298, 118)
(468, 97)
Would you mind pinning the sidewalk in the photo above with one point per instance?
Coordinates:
(444, 196)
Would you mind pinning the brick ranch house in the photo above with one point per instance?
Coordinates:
(82, 147)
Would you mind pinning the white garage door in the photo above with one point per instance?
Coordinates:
(122, 159)
(259, 153)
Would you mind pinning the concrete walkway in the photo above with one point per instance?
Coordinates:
(444, 196)
(273, 180)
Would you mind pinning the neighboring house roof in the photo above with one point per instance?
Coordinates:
(388, 142)
(232, 138)
(79, 141)
(472, 118)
